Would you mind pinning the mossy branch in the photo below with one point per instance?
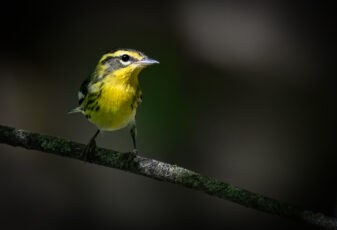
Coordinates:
(163, 172)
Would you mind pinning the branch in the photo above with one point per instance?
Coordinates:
(163, 172)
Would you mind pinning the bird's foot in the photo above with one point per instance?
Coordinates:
(135, 152)
(88, 153)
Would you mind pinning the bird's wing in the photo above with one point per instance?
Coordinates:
(83, 90)
(87, 86)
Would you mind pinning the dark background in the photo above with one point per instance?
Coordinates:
(245, 93)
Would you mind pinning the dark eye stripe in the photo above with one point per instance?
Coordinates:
(106, 60)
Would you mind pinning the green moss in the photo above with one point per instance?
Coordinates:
(164, 172)
(55, 144)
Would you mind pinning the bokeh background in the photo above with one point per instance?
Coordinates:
(245, 93)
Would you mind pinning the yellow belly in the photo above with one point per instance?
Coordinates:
(114, 109)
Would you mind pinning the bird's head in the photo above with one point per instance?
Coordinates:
(123, 63)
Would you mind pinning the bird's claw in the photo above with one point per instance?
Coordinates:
(135, 152)
(89, 151)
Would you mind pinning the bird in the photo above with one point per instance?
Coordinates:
(109, 97)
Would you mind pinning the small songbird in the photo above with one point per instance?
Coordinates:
(110, 95)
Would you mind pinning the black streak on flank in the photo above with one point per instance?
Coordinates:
(131, 106)
(88, 116)
(99, 94)
(91, 101)
(97, 108)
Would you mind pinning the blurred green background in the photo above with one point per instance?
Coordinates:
(245, 93)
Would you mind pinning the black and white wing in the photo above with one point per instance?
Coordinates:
(82, 93)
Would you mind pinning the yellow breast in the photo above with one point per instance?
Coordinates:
(114, 104)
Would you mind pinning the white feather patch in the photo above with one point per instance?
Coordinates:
(80, 95)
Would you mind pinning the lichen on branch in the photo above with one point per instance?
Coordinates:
(163, 172)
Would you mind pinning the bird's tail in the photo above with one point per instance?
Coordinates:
(76, 110)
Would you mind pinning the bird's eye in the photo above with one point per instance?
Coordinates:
(125, 58)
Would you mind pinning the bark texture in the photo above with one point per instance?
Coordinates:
(164, 172)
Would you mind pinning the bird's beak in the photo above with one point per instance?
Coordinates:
(147, 61)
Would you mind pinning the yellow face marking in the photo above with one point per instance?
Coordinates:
(128, 73)
(105, 56)
(124, 72)
(130, 53)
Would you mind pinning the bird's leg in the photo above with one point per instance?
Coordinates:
(133, 132)
(89, 151)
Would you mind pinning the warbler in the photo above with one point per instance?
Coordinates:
(110, 95)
